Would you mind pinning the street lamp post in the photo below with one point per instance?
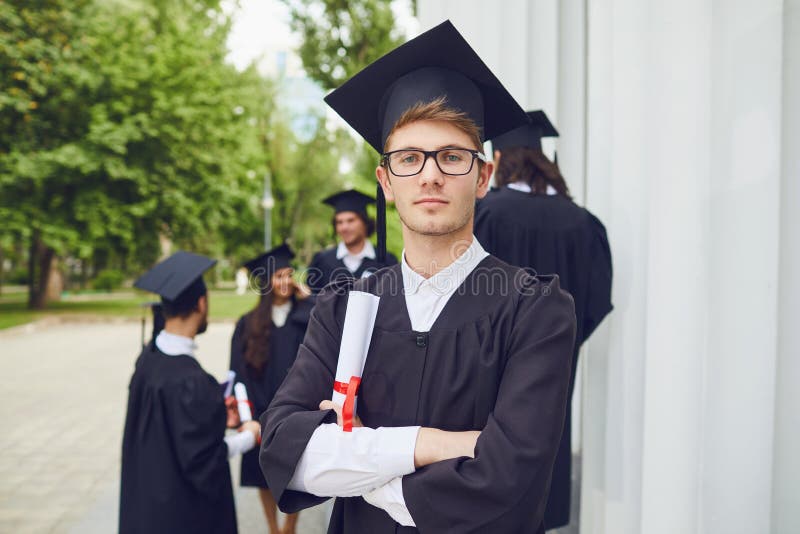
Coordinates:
(267, 202)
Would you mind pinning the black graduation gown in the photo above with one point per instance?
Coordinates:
(497, 359)
(175, 475)
(283, 345)
(552, 234)
(326, 267)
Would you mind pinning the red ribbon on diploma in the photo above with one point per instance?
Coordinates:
(349, 390)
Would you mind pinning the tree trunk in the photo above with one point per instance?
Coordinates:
(2, 268)
(55, 282)
(39, 265)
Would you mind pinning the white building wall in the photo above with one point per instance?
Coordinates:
(786, 460)
(681, 130)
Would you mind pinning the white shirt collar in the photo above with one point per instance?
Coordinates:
(368, 251)
(280, 312)
(526, 188)
(448, 279)
(175, 345)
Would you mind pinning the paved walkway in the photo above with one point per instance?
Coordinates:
(62, 410)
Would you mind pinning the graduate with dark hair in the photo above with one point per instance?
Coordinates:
(263, 348)
(175, 476)
(354, 256)
(462, 396)
(530, 221)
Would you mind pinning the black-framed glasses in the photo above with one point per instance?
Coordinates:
(451, 161)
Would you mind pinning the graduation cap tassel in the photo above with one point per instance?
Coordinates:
(381, 216)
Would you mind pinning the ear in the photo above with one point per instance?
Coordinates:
(202, 304)
(383, 178)
(483, 180)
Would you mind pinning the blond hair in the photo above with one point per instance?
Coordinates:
(438, 110)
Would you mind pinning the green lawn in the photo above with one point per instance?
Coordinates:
(225, 304)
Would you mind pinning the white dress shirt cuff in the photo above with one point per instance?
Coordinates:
(389, 498)
(348, 464)
(239, 443)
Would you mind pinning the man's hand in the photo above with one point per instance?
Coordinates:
(233, 412)
(254, 427)
(434, 445)
(330, 405)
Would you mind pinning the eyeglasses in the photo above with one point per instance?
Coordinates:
(451, 161)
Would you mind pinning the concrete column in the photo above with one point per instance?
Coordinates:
(678, 132)
(542, 45)
(786, 460)
(571, 111)
(617, 191)
(738, 397)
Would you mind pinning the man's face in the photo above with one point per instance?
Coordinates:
(350, 227)
(433, 203)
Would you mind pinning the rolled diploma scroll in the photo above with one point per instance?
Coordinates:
(229, 384)
(242, 402)
(359, 321)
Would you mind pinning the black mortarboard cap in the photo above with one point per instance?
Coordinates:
(437, 63)
(529, 135)
(350, 200)
(179, 276)
(273, 260)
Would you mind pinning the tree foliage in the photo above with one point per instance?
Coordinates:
(341, 37)
(122, 123)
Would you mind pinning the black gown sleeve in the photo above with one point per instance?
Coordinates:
(294, 413)
(506, 484)
(391, 259)
(598, 301)
(197, 418)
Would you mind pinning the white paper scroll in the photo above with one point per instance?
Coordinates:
(242, 402)
(359, 321)
(229, 384)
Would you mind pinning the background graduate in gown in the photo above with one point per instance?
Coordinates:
(263, 348)
(530, 221)
(463, 392)
(175, 475)
(354, 256)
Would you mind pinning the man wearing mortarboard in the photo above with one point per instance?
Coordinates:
(354, 256)
(464, 388)
(530, 220)
(175, 476)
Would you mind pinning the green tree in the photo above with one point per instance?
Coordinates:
(341, 37)
(121, 122)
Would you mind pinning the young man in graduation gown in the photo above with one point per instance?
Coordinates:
(354, 256)
(175, 475)
(464, 388)
(531, 221)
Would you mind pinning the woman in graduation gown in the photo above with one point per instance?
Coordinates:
(263, 348)
(530, 221)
